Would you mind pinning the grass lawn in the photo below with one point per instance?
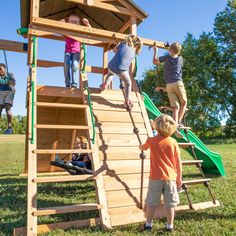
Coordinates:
(215, 221)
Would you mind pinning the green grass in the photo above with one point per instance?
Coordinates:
(215, 221)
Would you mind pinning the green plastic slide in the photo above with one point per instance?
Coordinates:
(212, 161)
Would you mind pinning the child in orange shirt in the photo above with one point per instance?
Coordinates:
(165, 173)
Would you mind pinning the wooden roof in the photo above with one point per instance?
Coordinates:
(98, 17)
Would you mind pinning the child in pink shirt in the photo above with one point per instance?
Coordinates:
(72, 55)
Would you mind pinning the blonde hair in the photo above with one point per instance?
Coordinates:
(166, 125)
(175, 48)
(134, 42)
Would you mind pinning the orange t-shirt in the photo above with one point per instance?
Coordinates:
(164, 157)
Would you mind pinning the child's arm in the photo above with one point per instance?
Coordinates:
(86, 22)
(144, 146)
(155, 57)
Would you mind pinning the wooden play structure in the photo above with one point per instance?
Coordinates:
(56, 115)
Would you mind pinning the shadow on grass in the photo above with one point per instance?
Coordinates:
(13, 201)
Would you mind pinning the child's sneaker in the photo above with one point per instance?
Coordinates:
(103, 86)
(146, 228)
(8, 131)
(73, 85)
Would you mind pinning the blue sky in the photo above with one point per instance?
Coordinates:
(167, 21)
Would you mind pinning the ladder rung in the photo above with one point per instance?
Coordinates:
(191, 162)
(168, 108)
(55, 179)
(67, 209)
(78, 127)
(196, 181)
(184, 128)
(61, 105)
(184, 145)
(61, 151)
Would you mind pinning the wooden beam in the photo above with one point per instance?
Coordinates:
(62, 225)
(78, 127)
(57, 179)
(84, 32)
(67, 209)
(13, 46)
(34, 10)
(105, 62)
(47, 64)
(105, 6)
(61, 151)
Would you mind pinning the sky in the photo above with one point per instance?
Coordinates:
(168, 21)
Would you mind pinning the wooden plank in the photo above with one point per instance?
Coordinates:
(191, 162)
(117, 116)
(120, 140)
(53, 155)
(12, 46)
(56, 179)
(58, 91)
(131, 167)
(96, 165)
(110, 7)
(61, 151)
(48, 64)
(186, 145)
(196, 181)
(31, 144)
(197, 206)
(61, 105)
(113, 95)
(118, 153)
(120, 182)
(92, 222)
(126, 215)
(94, 69)
(130, 197)
(77, 127)
(119, 128)
(102, 104)
(105, 62)
(91, 33)
(67, 209)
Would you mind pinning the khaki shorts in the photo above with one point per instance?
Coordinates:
(6, 97)
(176, 93)
(166, 187)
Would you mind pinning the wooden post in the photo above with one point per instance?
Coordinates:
(133, 30)
(105, 63)
(34, 9)
(32, 158)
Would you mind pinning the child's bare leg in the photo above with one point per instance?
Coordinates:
(182, 110)
(124, 76)
(150, 213)
(109, 78)
(176, 114)
(170, 215)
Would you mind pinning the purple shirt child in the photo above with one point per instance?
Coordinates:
(72, 46)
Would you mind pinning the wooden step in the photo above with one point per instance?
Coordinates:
(77, 127)
(61, 151)
(191, 162)
(185, 145)
(61, 105)
(67, 209)
(195, 181)
(62, 178)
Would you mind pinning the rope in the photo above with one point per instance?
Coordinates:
(5, 58)
(91, 113)
(85, 57)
